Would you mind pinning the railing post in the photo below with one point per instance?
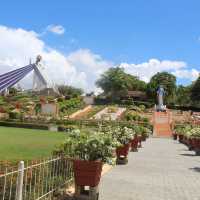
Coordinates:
(20, 178)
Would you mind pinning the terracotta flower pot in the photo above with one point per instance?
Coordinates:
(190, 144)
(2, 110)
(139, 141)
(185, 140)
(123, 151)
(193, 143)
(87, 173)
(180, 137)
(175, 136)
(134, 144)
(197, 145)
(143, 138)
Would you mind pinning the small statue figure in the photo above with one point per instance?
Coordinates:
(160, 95)
(38, 59)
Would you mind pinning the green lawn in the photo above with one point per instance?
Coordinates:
(27, 144)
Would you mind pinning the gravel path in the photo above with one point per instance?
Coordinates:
(162, 170)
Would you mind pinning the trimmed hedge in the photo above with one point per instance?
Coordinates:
(184, 108)
(24, 125)
(95, 123)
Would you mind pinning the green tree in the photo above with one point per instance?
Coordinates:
(116, 83)
(183, 95)
(168, 81)
(66, 90)
(13, 91)
(195, 91)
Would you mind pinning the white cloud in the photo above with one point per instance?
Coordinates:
(57, 29)
(147, 69)
(80, 68)
(192, 74)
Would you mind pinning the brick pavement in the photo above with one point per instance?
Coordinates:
(162, 170)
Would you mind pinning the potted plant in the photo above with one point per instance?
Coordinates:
(195, 135)
(134, 143)
(179, 131)
(89, 152)
(175, 136)
(145, 132)
(186, 138)
(123, 136)
(139, 131)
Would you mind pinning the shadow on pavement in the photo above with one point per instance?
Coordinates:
(187, 154)
(196, 169)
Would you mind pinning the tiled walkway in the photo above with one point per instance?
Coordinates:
(162, 170)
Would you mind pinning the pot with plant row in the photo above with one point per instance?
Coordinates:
(195, 136)
(175, 136)
(123, 136)
(89, 152)
(145, 133)
(134, 143)
(179, 131)
(180, 137)
(187, 140)
(139, 141)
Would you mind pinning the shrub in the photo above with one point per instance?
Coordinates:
(141, 130)
(15, 115)
(181, 129)
(70, 104)
(24, 125)
(142, 107)
(122, 134)
(67, 128)
(86, 146)
(112, 109)
(194, 132)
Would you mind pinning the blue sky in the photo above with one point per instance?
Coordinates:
(119, 31)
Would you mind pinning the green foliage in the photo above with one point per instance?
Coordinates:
(98, 145)
(184, 129)
(66, 106)
(92, 112)
(122, 134)
(12, 91)
(168, 81)
(87, 146)
(188, 130)
(195, 91)
(183, 95)
(23, 125)
(142, 107)
(112, 109)
(116, 83)
(194, 132)
(134, 116)
(15, 115)
(2, 100)
(37, 108)
(136, 108)
(70, 91)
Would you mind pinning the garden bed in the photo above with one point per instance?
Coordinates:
(110, 113)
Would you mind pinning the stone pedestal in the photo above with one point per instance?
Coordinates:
(162, 124)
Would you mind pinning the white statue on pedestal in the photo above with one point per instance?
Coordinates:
(160, 95)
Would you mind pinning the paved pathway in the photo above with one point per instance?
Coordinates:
(162, 170)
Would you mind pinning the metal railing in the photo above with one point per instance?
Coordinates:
(35, 181)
